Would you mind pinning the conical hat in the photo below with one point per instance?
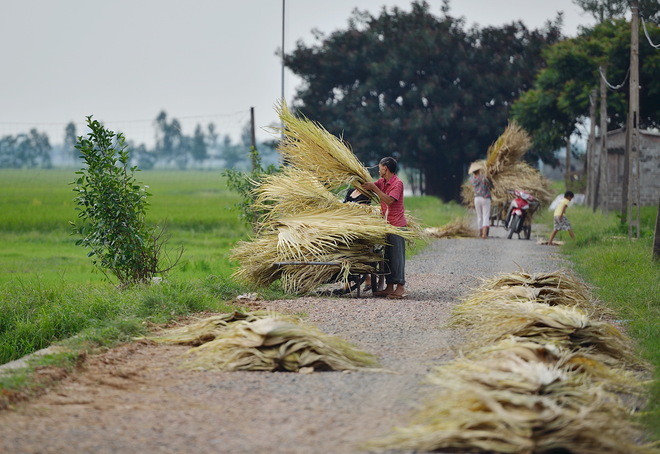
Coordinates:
(477, 165)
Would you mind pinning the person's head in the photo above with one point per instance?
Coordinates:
(569, 195)
(388, 164)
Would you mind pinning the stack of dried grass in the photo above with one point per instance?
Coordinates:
(206, 329)
(277, 344)
(264, 340)
(307, 236)
(542, 377)
(459, 228)
(504, 166)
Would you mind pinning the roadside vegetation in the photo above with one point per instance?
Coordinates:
(624, 277)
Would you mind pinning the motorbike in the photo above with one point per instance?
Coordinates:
(518, 218)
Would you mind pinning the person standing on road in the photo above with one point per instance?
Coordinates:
(389, 189)
(482, 198)
(560, 219)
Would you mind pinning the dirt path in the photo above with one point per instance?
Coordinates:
(135, 398)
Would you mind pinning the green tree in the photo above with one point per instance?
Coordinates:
(31, 150)
(70, 140)
(170, 140)
(199, 150)
(418, 87)
(112, 208)
(559, 100)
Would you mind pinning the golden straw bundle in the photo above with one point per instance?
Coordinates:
(507, 171)
(207, 329)
(306, 145)
(459, 228)
(524, 408)
(276, 344)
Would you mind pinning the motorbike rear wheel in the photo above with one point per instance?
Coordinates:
(528, 231)
(513, 225)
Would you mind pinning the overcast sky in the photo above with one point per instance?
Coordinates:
(124, 61)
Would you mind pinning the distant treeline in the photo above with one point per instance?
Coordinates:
(205, 148)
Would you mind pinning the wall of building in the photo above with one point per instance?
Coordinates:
(649, 167)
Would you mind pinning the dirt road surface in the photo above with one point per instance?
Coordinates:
(136, 399)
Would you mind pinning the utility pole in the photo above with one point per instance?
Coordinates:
(253, 151)
(592, 162)
(631, 190)
(602, 183)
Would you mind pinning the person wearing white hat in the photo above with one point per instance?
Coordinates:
(481, 185)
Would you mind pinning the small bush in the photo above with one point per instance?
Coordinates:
(112, 208)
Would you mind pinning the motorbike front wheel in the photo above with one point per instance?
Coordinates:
(513, 225)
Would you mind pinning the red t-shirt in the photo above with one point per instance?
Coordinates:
(394, 213)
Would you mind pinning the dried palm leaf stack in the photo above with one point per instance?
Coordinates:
(510, 405)
(306, 235)
(306, 145)
(504, 166)
(206, 329)
(277, 344)
(540, 378)
(458, 228)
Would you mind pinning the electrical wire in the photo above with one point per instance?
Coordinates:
(646, 32)
(612, 87)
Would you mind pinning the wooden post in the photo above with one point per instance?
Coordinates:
(592, 161)
(631, 189)
(656, 239)
(253, 151)
(603, 179)
(632, 185)
(567, 176)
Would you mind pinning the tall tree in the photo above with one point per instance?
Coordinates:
(199, 151)
(70, 140)
(559, 100)
(418, 87)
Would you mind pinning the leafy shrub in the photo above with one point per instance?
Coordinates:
(112, 208)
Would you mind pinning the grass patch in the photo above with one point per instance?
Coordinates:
(626, 279)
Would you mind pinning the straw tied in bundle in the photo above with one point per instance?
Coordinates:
(504, 167)
(265, 341)
(556, 381)
(307, 236)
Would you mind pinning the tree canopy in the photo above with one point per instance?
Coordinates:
(559, 100)
(419, 87)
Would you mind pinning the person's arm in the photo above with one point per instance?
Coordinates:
(563, 210)
(386, 199)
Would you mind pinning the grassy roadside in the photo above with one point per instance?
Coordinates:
(625, 278)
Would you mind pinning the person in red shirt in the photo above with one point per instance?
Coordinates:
(389, 189)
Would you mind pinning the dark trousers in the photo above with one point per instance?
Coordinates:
(395, 257)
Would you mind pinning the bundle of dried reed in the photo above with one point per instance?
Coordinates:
(517, 407)
(306, 235)
(508, 149)
(538, 378)
(596, 367)
(306, 145)
(507, 172)
(206, 329)
(458, 228)
(277, 344)
(563, 325)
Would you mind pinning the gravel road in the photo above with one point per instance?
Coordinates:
(135, 398)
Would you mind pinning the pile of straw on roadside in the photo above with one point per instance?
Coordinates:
(507, 171)
(538, 376)
(307, 236)
(264, 341)
(458, 228)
